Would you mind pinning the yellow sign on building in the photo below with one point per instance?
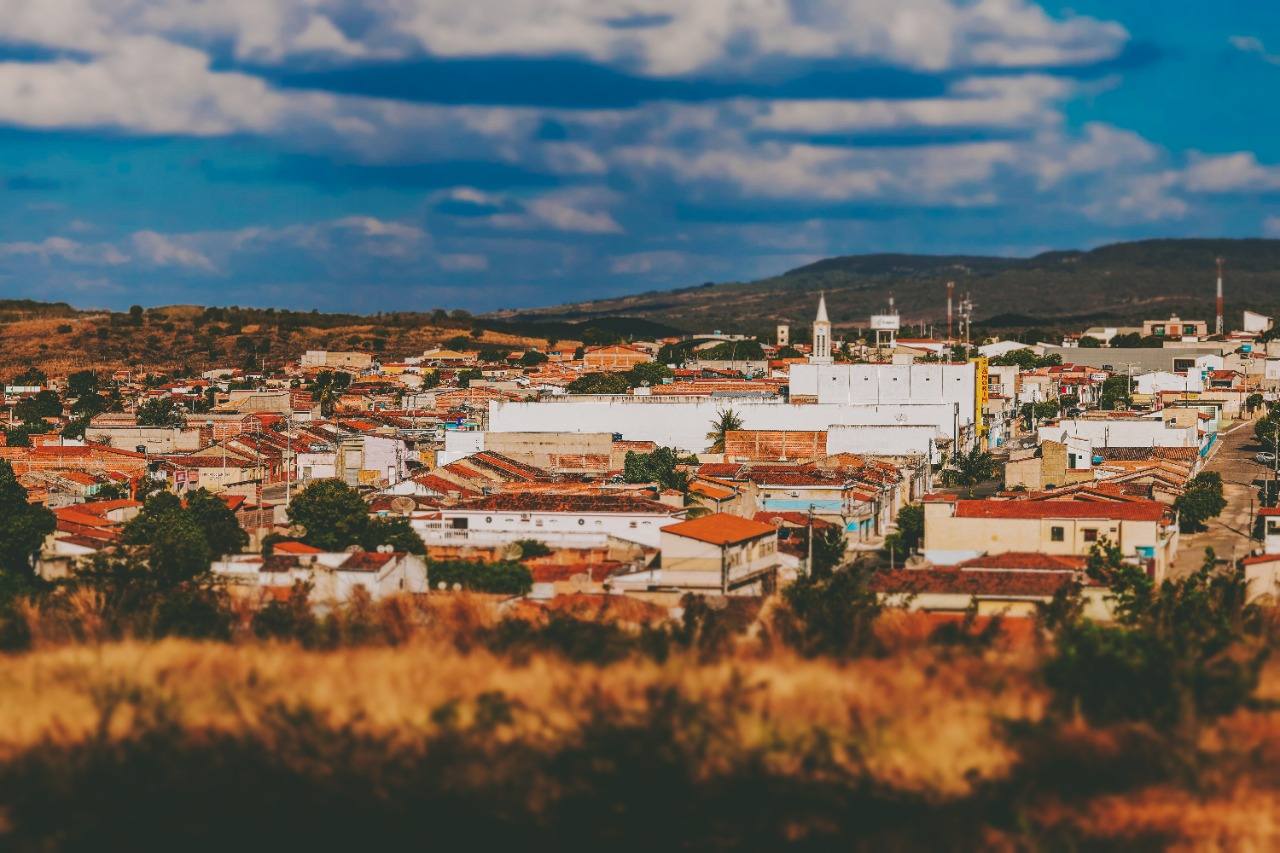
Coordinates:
(981, 393)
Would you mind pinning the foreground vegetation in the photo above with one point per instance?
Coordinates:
(822, 720)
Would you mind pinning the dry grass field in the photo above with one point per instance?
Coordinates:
(170, 339)
(434, 742)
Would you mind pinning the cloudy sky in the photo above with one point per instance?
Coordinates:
(406, 154)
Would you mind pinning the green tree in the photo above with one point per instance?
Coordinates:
(82, 383)
(833, 615)
(648, 373)
(135, 315)
(970, 469)
(37, 407)
(532, 358)
(1200, 501)
(1175, 653)
(910, 527)
(176, 548)
(504, 577)
(829, 548)
(659, 467)
(1116, 391)
(600, 383)
(333, 515)
(1089, 342)
(161, 411)
(466, 377)
(32, 376)
(788, 351)
(215, 519)
(726, 422)
(23, 528)
(396, 532)
(1254, 402)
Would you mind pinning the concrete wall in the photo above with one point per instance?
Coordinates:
(1105, 432)
(630, 527)
(154, 439)
(868, 384)
(894, 440)
(1142, 359)
(684, 423)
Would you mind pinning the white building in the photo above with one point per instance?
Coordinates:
(1161, 381)
(1122, 432)
(821, 334)
(333, 577)
(561, 519)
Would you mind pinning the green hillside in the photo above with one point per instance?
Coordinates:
(1123, 282)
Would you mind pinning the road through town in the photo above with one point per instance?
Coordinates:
(1228, 534)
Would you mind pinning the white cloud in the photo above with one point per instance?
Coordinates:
(463, 262)
(1253, 44)
(580, 211)
(1271, 226)
(987, 102)
(54, 249)
(1238, 172)
(161, 251)
(680, 37)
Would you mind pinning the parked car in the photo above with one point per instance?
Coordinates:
(1266, 457)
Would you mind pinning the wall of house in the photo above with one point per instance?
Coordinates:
(154, 439)
(886, 383)
(1107, 432)
(692, 563)
(949, 540)
(683, 423)
(630, 527)
(891, 440)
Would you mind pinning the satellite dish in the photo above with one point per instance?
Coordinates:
(513, 551)
(917, 562)
(580, 582)
(353, 549)
(297, 531)
(403, 505)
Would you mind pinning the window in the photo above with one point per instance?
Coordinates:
(1057, 534)
(1188, 329)
(1157, 330)
(1090, 535)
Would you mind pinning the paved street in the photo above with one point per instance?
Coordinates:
(1228, 535)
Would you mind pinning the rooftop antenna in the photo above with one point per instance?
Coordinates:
(1218, 323)
(951, 289)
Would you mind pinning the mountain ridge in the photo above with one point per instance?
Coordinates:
(1115, 282)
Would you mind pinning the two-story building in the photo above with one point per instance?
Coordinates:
(957, 529)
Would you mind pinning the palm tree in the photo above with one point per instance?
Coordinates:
(720, 427)
(969, 470)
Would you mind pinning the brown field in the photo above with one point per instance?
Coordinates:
(169, 341)
(432, 742)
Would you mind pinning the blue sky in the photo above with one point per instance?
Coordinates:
(375, 155)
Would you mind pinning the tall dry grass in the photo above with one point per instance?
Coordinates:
(427, 738)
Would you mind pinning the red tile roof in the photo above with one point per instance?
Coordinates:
(1134, 511)
(558, 502)
(721, 529)
(1026, 560)
(1038, 584)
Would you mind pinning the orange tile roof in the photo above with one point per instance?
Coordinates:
(1134, 511)
(721, 529)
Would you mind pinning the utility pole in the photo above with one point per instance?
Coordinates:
(809, 566)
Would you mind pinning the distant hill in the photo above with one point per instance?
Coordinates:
(1122, 282)
(58, 339)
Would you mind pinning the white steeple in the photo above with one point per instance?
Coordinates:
(821, 334)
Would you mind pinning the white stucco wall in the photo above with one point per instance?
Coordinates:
(683, 423)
